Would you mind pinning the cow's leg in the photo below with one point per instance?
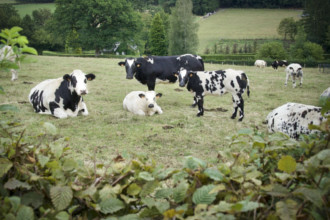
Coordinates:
(151, 84)
(194, 102)
(235, 105)
(241, 108)
(301, 80)
(14, 74)
(83, 109)
(293, 81)
(140, 112)
(158, 109)
(57, 111)
(200, 101)
(287, 78)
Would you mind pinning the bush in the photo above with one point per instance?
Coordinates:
(259, 176)
(272, 50)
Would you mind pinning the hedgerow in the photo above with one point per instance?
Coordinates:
(258, 176)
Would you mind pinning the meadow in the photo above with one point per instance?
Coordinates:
(168, 138)
(242, 24)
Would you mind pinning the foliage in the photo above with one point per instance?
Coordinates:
(317, 19)
(99, 24)
(259, 176)
(158, 44)
(201, 7)
(9, 16)
(183, 29)
(287, 28)
(272, 50)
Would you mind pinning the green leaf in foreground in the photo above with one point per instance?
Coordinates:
(287, 164)
(5, 165)
(203, 195)
(61, 196)
(111, 205)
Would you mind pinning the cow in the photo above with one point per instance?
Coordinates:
(260, 63)
(219, 82)
(159, 69)
(277, 63)
(61, 97)
(293, 119)
(142, 103)
(7, 55)
(294, 70)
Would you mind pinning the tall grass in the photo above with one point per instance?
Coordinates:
(242, 24)
(109, 130)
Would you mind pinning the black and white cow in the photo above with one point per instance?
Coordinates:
(7, 55)
(159, 69)
(294, 70)
(61, 97)
(293, 119)
(219, 82)
(281, 63)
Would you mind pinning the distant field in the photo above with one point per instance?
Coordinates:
(242, 24)
(27, 9)
(109, 130)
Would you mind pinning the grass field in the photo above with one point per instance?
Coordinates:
(27, 9)
(242, 24)
(109, 130)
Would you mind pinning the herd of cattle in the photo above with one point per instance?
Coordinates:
(62, 97)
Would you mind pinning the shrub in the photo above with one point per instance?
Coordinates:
(272, 50)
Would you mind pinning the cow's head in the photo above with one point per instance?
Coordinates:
(130, 66)
(150, 98)
(295, 70)
(78, 81)
(183, 76)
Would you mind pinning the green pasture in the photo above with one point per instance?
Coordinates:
(109, 130)
(241, 24)
(27, 9)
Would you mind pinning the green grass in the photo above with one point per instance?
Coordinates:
(242, 24)
(109, 130)
(27, 9)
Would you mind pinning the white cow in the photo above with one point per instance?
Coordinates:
(293, 119)
(294, 70)
(7, 53)
(61, 97)
(260, 63)
(142, 103)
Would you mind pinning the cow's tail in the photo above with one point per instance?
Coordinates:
(246, 79)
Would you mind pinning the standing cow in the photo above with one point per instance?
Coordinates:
(142, 103)
(216, 83)
(7, 55)
(293, 119)
(294, 70)
(281, 63)
(260, 63)
(159, 69)
(61, 97)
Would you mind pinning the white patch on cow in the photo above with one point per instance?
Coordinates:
(150, 60)
(179, 57)
(81, 86)
(142, 105)
(130, 62)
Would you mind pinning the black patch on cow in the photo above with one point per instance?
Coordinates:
(74, 81)
(232, 83)
(70, 100)
(303, 115)
(172, 78)
(37, 101)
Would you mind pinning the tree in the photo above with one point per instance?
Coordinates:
(183, 29)
(316, 20)
(9, 16)
(99, 24)
(287, 28)
(272, 50)
(157, 37)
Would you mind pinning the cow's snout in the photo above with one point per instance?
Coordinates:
(181, 84)
(129, 77)
(151, 105)
(83, 92)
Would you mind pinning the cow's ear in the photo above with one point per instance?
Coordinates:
(138, 65)
(90, 76)
(299, 69)
(121, 63)
(191, 74)
(159, 95)
(176, 74)
(142, 95)
(67, 77)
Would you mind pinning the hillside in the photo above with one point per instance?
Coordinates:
(241, 24)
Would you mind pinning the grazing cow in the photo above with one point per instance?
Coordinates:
(7, 54)
(294, 70)
(61, 97)
(142, 103)
(216, 83)
(159, 69)
(260, 63)
(293, 119)
(277, 63)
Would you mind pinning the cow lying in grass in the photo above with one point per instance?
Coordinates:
(61, 97)
(293, 119)
(142, 103)
(216, 83)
